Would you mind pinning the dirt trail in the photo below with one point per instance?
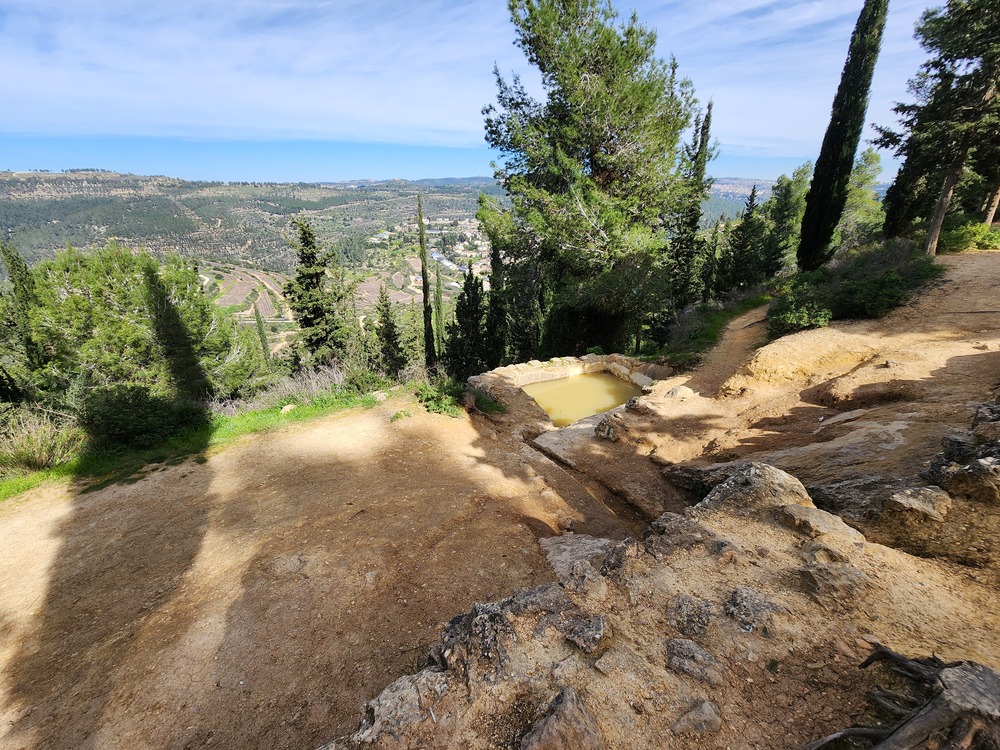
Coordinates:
(256, 599)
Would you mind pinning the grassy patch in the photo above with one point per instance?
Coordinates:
(702, 330)
(106, 466)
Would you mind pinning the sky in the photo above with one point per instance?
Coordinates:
(330, 90)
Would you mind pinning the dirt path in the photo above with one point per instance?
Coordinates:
(255, 600)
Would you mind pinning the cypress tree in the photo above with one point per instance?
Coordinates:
(430, 352)
(23, 298)
(390, 343)
(262, 335)
(438, 311)
(828, 191)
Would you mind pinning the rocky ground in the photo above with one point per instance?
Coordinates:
(708, 574)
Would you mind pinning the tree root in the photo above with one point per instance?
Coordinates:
(957, 706)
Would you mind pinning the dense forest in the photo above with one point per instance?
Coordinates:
(599, 240)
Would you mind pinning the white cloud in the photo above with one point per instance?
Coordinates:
(402, 72)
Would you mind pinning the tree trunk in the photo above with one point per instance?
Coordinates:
(991, 205)
(950, 180)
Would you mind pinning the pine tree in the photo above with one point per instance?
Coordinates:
(321, 298)
(23, 299)
(592, 170)
(828, 191)
(746, 265)
(784, 210)
(957, 110)
(430, 350)
(390, 344)
(465, 354)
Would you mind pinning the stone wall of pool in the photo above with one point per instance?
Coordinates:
(512, 377)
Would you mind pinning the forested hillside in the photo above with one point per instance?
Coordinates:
(241, 223)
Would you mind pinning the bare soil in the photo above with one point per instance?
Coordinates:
(256, 597)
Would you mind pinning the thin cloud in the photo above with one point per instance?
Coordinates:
(415, 73)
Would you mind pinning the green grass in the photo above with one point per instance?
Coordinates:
(110, 466)
(706, 330)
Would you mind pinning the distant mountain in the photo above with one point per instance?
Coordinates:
(246, 223)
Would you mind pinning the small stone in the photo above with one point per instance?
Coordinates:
(687, 657)
(567, 725)
(585, 632)
(702, 719)
(834, 583)
(690, 615)
(611, 427)
(288, 407)
(680, 392)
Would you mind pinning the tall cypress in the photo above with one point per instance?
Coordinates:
(828, 191)
(438, 312)
(430, 352)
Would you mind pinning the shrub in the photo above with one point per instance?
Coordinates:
(874, 281)
(486, 403)
(972, 236)
(131, 415)
(32, 441)
(803, 305)
(441, 397)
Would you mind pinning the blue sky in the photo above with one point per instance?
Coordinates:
(316, 90)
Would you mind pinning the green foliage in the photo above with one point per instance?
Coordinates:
(592, 171)
(801, 305)
(401, 414)
(867, 283)
(466, 353)
(442, 396)
(133, 415)
(863, 215)
(829, 188)
(486, 403)
(391, 355)
(970, 236)
(322, 299)
(34, 441)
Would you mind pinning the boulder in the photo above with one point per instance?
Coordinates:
(755, 487)
(563, 552)
(689, 615)
(403, 704)
(585, 632)
(920, 504)
(814, 522)
(978, 481)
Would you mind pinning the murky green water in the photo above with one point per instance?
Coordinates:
(568, 400)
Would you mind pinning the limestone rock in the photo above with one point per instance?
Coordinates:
(585, 632)
(834, 583)
(687, 657)
(690, 615)
(611, 427)
(401, 705)
(702, 719)
(563, 552)
(288, 407)
(638, 405)
(855, 498)
(750, 608)
(676, 532)
(584, 579)
(699, 480)
(755, 487)
(978, 481)
(919, 503)
(815, 522)
(567, 725)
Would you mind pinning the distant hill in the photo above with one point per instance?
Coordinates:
(244, 223)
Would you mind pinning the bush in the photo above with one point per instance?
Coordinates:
(441, 397)
(867, 283)
(803, 305)
(130, 415)
(972, 236)
(486, 403)
(32, 441)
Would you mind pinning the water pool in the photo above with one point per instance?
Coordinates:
(568, 400)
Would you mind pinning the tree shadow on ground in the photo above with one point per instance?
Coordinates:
(122, 553)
